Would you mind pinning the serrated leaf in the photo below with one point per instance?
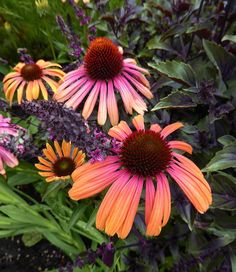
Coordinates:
(223, 159)
(176, 99)
(223, 60)
(178, 71)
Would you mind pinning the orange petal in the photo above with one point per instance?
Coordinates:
(110, 199)
(121, 207)
(66, 148)
(138, 122)
(161, 207)
(42, 167)
(121, 131)
(129, 220)
(35, 89)
(53, 84)
(198, 193)
(170, 128)
(29, 89)
(20, 92)
(181, 146)
(81, 190)
(58, 149)
(45, 162)
(43, 90)
(149, 198)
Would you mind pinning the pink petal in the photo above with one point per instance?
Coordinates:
(181, 146)
(112, 104)
(142, 88)
(102, 109)
(78, 97)
(91, 100)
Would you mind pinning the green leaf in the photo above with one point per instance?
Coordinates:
(178, 71)
(76, 215)
(175, 30)
(31, 238)
(156, 43)
(231, 38)
(223, 159)
(115, 4)
(223, 60)
(226, 139)
(177, 99)
(23, 178)
(224, 191)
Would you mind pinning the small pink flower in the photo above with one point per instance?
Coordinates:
(103, 74)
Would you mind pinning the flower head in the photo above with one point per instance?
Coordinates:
(31, 78)
(60, 162)
(144, 155)
(103, 73)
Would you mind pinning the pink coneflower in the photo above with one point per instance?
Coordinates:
(31, 79)
(144, 156)
(104, 73)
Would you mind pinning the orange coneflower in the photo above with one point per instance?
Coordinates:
(59, 165)
(145, 155)
(31, 78)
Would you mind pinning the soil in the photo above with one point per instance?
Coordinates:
(15, 257)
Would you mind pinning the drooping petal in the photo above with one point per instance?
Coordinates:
(53, 84)
(78, 97)
(43, 90)
(35, 90)
(102, 109)
(121, 207)
(142, 88)
(197, 192)
(161, 207)
(112, 104)
(20, 92)
(129, 219)
(110, 198)
(91, 100)
(127, 98)
(149, 198)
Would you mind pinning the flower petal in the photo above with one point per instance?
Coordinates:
(181, 146)
(170, 128)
